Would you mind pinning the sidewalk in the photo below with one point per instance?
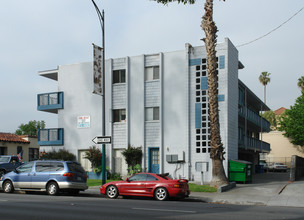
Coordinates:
(269, 189)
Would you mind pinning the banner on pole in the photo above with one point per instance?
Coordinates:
(97, 68)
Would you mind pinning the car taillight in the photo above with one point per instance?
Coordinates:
(176, 185)
(69, 174)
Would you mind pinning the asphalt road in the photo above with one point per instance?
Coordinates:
(86, 206)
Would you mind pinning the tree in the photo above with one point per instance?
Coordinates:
(301, 83)
(31, 128)
(271, 117)
(264, 78)
(217, 151)
(292, 122)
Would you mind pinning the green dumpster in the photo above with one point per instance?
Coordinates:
(240, 171)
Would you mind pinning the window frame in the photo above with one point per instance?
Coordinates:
(119, 113)
(154, 75)
(119, 76)
(155, 113)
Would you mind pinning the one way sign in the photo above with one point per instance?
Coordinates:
(102, 140)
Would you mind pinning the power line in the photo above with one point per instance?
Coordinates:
(272, 30)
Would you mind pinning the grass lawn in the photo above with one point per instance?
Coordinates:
(193, 187)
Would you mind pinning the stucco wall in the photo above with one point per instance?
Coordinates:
(280, 145)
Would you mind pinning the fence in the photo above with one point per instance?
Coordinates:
(283, 160)
(297, 168)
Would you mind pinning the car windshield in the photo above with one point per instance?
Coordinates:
(4, 159)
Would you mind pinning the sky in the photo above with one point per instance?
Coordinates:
(40, 35)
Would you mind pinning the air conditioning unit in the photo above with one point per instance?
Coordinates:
(176, 158)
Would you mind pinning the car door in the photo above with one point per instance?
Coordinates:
(135, 185)
(151, 183)
(23, 177)
(40, 174)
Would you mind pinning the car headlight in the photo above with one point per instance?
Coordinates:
(1, 178)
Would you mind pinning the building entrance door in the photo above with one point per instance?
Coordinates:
(154, 160)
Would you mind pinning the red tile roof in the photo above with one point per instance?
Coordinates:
(279, 111)
(7, 137)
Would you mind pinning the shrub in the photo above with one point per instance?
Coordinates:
(61, 154)
(133, 155)
(94, 155)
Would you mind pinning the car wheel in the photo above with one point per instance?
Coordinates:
(8, 187)
(161, 194)
(112, 192)
(52, 189)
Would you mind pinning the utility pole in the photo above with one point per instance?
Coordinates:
(101, 20)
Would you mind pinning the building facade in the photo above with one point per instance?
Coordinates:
(12, 144)
(158, 102)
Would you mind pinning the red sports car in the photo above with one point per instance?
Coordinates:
(159, 186)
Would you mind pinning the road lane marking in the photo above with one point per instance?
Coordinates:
(165, 210)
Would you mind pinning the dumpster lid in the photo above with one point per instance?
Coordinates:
(242, 161)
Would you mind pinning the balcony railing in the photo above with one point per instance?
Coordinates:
(50, 102)
(255, 118)
(50, 137)
(254, 144)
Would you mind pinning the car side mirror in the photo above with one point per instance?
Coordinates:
(16, 171)
(127, 179)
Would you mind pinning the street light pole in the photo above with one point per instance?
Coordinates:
(102, 24)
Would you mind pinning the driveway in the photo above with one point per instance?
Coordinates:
(270, 189)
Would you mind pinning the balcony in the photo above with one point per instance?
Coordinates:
(50, 102)
(254, 144)
(254, 118)
(50, 137)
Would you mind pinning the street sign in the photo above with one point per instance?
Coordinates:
(102, 140)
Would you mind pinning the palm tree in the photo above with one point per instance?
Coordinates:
(301, 83)
(217, 151)
(264, 79)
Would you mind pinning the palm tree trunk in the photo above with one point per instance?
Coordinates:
(265, 94)
(217, 151)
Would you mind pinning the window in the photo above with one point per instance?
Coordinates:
(33, 154)
(119, 115)
(43, 167)
(151, 178)
(119, 76)
(3, 150)
(151, 73)
(56, 166)
(27, 168)
(138, 177)
(152, 114)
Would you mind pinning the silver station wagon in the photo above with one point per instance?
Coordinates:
(50, 176)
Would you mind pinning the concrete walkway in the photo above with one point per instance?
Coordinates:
(268, 189)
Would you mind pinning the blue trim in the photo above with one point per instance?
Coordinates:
(48, 106)
(204, 83)
(58, 142)
(221, 98)
(195, 62)
(198, 115)
(222, 62)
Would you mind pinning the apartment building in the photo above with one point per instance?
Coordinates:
(158, 102)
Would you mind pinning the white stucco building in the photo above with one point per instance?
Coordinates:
(158, 102)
